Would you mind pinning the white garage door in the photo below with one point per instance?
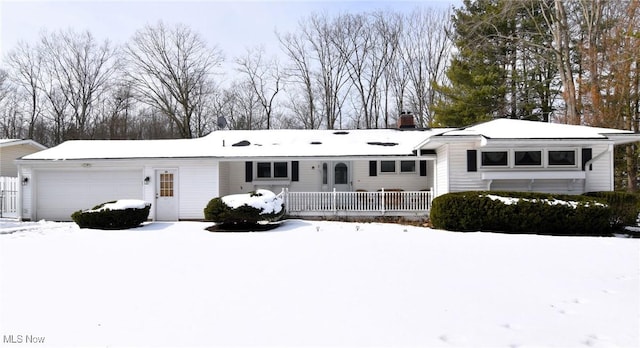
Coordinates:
(60, 193)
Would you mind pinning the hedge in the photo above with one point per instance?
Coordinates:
(107, 219)
(521, 212)
(625, 207)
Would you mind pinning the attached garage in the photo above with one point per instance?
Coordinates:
(58, 193)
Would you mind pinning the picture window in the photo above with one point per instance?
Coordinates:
(528, 158)
(495, 158)
(407, 166)
(562, 158)
(387, 166)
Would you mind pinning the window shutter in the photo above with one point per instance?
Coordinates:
(295, 171)
(472, 160)
(587, 154)
(373, 168)
(248, 171)
(423, 168)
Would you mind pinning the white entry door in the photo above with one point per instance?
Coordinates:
(341, 176)
(166, 195)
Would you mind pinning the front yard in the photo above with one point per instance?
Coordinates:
(314, 283)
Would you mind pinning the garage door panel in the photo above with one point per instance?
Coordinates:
(60, 193)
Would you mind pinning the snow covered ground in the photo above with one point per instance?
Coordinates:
(314, 283)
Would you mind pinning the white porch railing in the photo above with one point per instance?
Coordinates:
(393, 203)
(8, 196)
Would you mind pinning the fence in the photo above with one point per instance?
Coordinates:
(389, 202)
(8, 196)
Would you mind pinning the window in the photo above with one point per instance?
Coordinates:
(268, 170)
(264, 169)
(528, 158)
(407, 166)
(280, 170)
(387, 166)
(166, 184)
(494, 158)
(325, 174)
(562, 158)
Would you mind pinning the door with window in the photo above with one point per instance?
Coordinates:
(166, 195)
(341, 176)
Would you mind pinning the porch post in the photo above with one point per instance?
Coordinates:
(335, 206)
(382, 200)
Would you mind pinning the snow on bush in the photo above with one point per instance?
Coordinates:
(121, 204)
(245, 208)
(265, 200)
(115, 215)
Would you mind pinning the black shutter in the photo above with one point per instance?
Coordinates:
(373, 168)
(587, 154)
(472, 160)
(423, 168)
(248, 171)
(295, 170)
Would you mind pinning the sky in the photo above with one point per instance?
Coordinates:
(232, 26)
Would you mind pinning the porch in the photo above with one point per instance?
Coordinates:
(359, 203)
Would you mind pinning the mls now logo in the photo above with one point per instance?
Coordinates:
(30, 339)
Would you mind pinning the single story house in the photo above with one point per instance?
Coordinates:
(320, 172)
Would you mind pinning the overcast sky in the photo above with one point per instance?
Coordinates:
(233, 26)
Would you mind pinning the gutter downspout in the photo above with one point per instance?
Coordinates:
(588, 164)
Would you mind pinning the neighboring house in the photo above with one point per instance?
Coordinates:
(320, 172)
(10, 150)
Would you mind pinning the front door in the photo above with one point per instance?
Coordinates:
(341, 176)
(166, 195)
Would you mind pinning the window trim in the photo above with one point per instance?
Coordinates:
(508, 157)
(272, 173)
(576, 159)
(395, 167)
(415, 167)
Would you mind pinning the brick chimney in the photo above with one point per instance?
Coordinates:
(406, 120)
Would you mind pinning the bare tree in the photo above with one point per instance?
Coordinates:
(425, 51)
(301, 72)
(263, 77)
(171, 69)
(81, 69)
(25, 62)
(367, 43)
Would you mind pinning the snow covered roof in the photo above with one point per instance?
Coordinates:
(323, 143)
(249, 143)
(521, 129)
(11, 142)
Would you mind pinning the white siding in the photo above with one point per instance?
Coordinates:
(601, 177)
(442, 171)
(198, 185)
(459, 178)
(25, 195)
(224, 170)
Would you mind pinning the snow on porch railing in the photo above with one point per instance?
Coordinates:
(382, 202)
(8, 196)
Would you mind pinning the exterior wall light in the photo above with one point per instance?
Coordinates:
(147, 180)
(25, 181)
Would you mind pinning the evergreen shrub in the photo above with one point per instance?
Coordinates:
(219, 212)
(625, 207)
(521, 212)
(108, 219)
